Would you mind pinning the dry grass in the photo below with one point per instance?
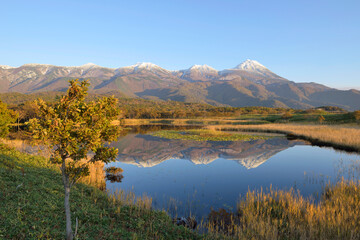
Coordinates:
(26, 146)
(96, 177)
(346, 138)
(128, 198)
(131, 122)
(287, 215)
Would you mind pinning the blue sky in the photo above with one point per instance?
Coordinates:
(303, 41)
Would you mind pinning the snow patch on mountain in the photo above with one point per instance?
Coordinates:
(89, 65)
(37, 65)
(6, 67)
(145, 65)
(201, 68)
(138, 67)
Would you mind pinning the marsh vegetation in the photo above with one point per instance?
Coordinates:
(277, 214)
(341, 137)
(206, 135)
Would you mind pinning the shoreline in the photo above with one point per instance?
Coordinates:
(335, 136)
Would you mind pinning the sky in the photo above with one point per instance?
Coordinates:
(303, 41)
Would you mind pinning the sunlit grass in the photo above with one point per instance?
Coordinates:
(96, 177)
(276, 214)
(347, 138)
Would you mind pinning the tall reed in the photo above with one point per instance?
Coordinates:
(346, 138)
(276, 214)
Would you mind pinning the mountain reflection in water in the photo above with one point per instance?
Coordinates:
(148, 151)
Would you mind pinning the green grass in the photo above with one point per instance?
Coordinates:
(163, 121)
(31, 197)
(330, 118)
(195, 122)
(251, 122)
(206, 135)
(312, 118)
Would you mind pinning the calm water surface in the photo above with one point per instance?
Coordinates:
(187, 176)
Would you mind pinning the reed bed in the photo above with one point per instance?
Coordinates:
(345, 138)
(96, 177)
(276, 214)
(128, 198)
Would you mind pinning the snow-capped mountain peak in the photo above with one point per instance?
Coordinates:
(200, 68)
(138, 67)
(145, 65)
(251, 66)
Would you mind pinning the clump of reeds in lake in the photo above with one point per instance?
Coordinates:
(114, 174)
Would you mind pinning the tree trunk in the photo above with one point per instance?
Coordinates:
(69, 232)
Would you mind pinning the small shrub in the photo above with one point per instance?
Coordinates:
(356, 114)
(113, 170)
(321, 119)
(287, 116)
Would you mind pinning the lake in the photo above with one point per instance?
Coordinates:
(184, 176)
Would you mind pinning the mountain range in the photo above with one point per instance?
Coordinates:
(247, 84)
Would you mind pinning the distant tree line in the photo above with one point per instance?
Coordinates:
(137, 108)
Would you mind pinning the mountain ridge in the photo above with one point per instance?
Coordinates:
(248, 84)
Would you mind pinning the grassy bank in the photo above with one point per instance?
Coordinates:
(344, 138)
(32, 207)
